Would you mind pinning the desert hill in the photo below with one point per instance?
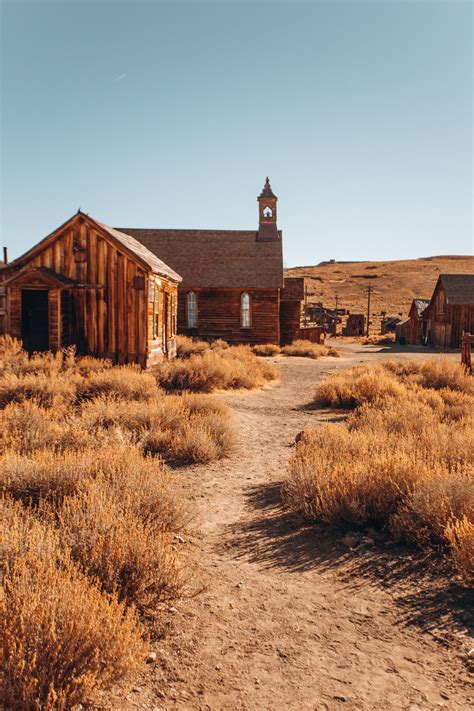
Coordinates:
(394, 283)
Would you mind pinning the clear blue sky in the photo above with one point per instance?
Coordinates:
(171, 114)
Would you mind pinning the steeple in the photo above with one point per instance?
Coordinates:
(267, 201)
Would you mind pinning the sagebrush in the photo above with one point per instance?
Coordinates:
(402, 462)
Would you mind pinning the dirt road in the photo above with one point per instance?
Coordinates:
(292, 619)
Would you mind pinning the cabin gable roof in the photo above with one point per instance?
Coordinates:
(40, 276)
(147, 259)
(459, 288)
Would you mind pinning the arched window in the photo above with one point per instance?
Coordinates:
(245, 310)
(267, 211)
(191, 309)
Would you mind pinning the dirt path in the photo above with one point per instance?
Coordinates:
(291, 619)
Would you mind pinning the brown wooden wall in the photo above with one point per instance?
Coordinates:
(445, 322)
(219, 315)
(105, 311)
(290, 321)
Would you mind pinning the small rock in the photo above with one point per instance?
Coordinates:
(239, 585)
(136, 689)
(350, 539)
(257, 681)
(179, 539)
(368, 541)
(173, 610)
(444, 695)
(470, 653)
(340, 697)
(151, 658)
(218, 667)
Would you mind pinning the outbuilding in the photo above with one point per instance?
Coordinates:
(91, 286)
(450, 311)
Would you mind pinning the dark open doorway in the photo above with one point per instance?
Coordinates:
(34, 320)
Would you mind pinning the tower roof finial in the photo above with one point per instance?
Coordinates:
(267, 190)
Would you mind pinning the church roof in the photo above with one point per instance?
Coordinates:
(267, 190)
(217, 258)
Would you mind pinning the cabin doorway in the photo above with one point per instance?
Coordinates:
(35, 320)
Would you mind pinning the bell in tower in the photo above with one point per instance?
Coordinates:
(267, 200)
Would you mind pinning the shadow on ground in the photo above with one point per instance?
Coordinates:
(420, 584)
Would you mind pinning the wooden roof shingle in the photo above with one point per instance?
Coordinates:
(459, 288)
(217, 258)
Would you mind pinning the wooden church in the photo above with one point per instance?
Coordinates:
(124, 293)
(232, 280)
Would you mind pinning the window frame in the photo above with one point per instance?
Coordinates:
(194, 324)
(245, 294)
(156, 316)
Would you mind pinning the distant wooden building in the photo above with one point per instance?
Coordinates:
(94, 287)
(233, 286)
(355, 325)
(450, 311)
(416, 333)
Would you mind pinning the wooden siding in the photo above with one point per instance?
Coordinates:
(104, 310)
(290, 321)
(445, 323)
(219, 315)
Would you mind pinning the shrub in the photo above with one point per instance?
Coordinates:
(231, 368)
(355, 386)
(61, 637)
(460, 535)
(307, 349)
(266, 349)
(186, 347)
(401, 462)
(112, 543)
(128, 382)
(40, 387)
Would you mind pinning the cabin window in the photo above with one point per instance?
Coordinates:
(156, 316)
(151, 291)
(173, 315)
(191, 309)
(245, 311)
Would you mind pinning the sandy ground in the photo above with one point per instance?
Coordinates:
(290, 618)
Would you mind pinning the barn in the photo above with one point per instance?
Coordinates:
(233, 286)
(416, 329)
(450, 311)
(93, 287)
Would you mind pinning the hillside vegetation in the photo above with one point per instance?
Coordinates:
(394, 283)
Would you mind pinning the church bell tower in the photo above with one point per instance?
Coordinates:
(267, 208)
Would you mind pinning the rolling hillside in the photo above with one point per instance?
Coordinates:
(394, 283)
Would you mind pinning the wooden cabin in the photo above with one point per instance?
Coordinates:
(355, 325)
(416, 334)
(450, 311)
(233, 286)
(96, 288)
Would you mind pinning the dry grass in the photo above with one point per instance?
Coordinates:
(91, 517)
(403, 462)
(266, 349)
(307, 349)
(62, 638)
(215, 369)
(386, 340)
